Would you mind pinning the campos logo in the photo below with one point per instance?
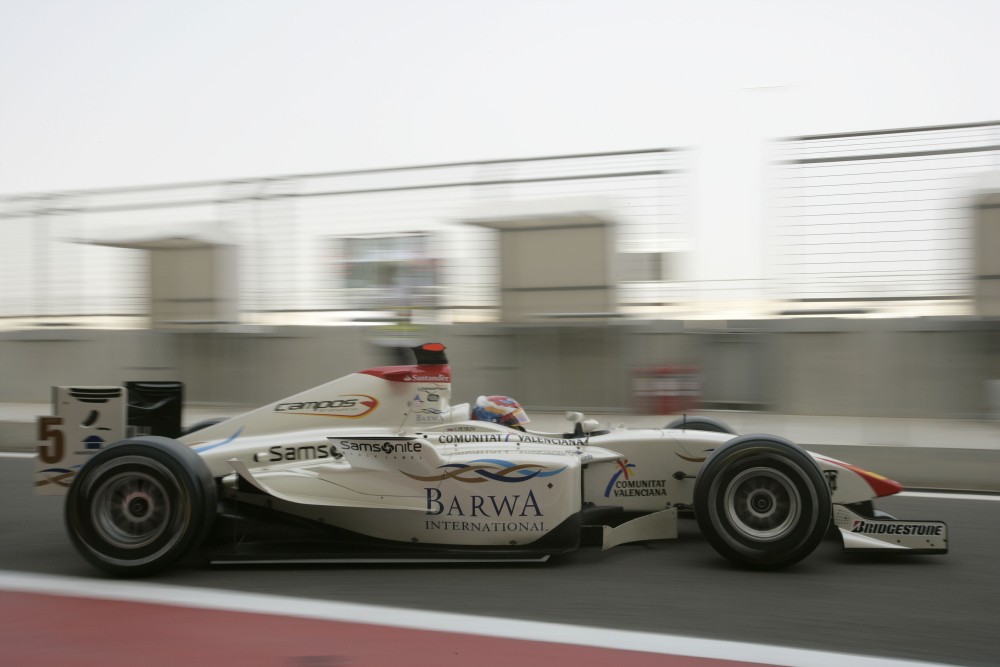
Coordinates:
(349, 406)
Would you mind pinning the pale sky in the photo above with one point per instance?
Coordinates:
(101, 93)
(115, 92)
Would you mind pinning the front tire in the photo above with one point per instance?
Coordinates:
(700, 424)
(140, 506)
(762, 502)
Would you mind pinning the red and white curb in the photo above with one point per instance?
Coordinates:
(46, 620)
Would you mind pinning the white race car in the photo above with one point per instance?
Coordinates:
(378, 465)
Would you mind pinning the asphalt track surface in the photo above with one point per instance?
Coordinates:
(940, 609)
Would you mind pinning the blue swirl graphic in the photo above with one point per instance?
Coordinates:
(523, 475)
(504, 471)
(205, 448)
(527, 474)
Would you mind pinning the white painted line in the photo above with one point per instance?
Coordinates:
(200, 598)
(950, 496)
(17, 455)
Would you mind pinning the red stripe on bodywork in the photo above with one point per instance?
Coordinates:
(437, 373)
(881, 486)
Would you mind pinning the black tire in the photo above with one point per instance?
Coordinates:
(700, 424)
(762, 502)
(204, 423)
(140, 506)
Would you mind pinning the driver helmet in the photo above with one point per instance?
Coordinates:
(501, 410)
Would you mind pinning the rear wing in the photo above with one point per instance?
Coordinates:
(85, 419)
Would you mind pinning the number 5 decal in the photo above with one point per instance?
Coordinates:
(51, 453)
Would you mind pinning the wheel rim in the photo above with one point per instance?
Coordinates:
(131, 509)
(762, 504)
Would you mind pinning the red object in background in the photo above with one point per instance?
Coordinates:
(666, 390)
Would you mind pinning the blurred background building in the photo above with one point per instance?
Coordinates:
(569, 280)
(338, 247)
(863, 223)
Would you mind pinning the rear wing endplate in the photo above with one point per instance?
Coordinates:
(86, 419)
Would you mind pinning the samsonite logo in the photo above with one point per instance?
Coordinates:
(350, 406)
(301, 453)
(386, 447)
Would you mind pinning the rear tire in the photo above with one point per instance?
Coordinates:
(762, 502)
(140, 506)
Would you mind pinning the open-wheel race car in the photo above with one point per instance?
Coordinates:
(379, 465)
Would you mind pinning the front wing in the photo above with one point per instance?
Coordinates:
(863, 534)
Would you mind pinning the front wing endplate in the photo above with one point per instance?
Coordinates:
(861, 534)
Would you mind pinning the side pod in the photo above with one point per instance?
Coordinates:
(305, 488)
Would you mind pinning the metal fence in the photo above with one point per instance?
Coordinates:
(870, 218)
(876, 217)
(293, 231)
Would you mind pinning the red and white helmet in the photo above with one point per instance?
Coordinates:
(500, 410)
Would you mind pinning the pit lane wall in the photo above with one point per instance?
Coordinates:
(904, 368)
(917, 395)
